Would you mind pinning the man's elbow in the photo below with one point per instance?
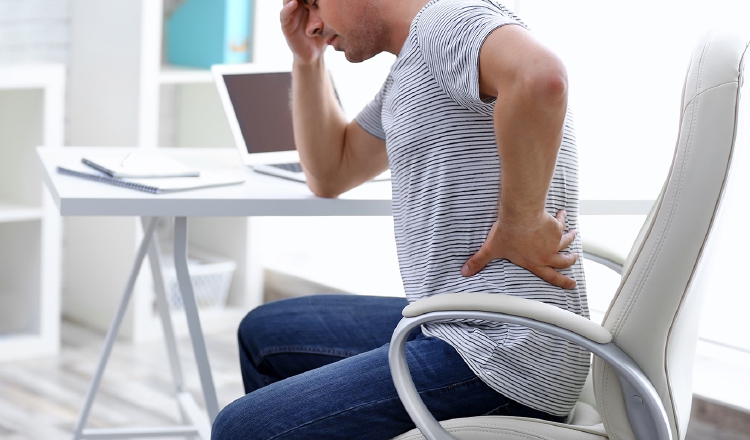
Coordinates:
(548, 87)
(322, 189)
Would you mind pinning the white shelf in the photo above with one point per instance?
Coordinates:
(184, 75)
(31, 114)
(10, 213)
(32, 76)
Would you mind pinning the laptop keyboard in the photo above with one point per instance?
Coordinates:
(294, 167)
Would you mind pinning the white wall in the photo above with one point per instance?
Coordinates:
(626, 62)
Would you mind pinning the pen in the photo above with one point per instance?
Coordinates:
(122, 164)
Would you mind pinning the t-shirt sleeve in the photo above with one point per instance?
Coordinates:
(450, 35)
(370, 118)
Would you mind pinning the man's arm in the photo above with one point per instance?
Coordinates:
(530, 84)
(335, 155)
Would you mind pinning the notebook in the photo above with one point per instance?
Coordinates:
(256, 102)
(207, 179)
(136, 166)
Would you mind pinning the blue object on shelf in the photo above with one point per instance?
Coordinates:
(201, 33)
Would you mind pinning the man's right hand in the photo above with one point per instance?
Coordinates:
(307, 48)
(536, 245)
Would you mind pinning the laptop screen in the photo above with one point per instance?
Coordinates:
(261, 103)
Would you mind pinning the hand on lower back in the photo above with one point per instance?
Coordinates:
(533, 244)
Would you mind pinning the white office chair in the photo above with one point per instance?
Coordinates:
(643, 363)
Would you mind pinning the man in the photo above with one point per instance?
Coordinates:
(472, 121)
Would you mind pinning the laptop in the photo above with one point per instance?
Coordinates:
(257, 104)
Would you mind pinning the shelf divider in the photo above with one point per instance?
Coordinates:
(10, 213)
(184, 75)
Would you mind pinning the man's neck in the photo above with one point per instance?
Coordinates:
(400, 14)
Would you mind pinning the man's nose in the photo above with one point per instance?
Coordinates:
(314, 24)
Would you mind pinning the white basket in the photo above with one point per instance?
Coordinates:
(209, 274)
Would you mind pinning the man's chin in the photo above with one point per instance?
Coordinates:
(355, 57)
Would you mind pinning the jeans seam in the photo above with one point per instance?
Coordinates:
(310, 350)
(454, 385)
(505, 405)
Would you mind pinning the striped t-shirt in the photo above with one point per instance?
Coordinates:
(445, 171)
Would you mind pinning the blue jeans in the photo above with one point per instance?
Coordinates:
(316, 367)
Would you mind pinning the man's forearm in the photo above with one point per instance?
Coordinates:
(319, 124)
(529, 125)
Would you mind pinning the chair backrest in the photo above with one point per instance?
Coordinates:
(655, 314)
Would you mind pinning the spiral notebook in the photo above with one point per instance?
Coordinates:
(207, 179)
(139, 166)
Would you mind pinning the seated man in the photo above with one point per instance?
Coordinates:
(473, 121)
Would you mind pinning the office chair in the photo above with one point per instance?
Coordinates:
(644, 350)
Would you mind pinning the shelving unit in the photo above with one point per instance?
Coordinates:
(118, 78)
(31, 114)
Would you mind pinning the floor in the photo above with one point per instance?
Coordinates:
(40, 399)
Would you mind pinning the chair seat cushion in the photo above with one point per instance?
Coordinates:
(512, 428)
(584, 415)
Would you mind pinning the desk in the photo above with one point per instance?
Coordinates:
(260, 195)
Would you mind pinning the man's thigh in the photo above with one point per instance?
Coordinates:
(355, 398)
(288, 337)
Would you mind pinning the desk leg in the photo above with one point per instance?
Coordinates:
(191, 311)
(113, 330)
(154, 258)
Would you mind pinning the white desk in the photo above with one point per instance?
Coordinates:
(260, 195)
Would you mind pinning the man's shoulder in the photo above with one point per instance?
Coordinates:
(441, 15)
(448, 9)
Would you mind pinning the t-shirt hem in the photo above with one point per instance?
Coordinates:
(505, 391)
(368, 129)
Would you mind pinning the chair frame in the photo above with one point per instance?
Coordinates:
(645, 410)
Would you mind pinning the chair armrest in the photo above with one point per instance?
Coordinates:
(644, 406)
(600, 253)
(511, 305)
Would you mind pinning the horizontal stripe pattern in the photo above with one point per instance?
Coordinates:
(446, 177)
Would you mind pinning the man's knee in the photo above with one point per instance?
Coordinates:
(279, 322)
(260, 415)
(232, 423)
(249, 323)
(259, 323)
(222, 427)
